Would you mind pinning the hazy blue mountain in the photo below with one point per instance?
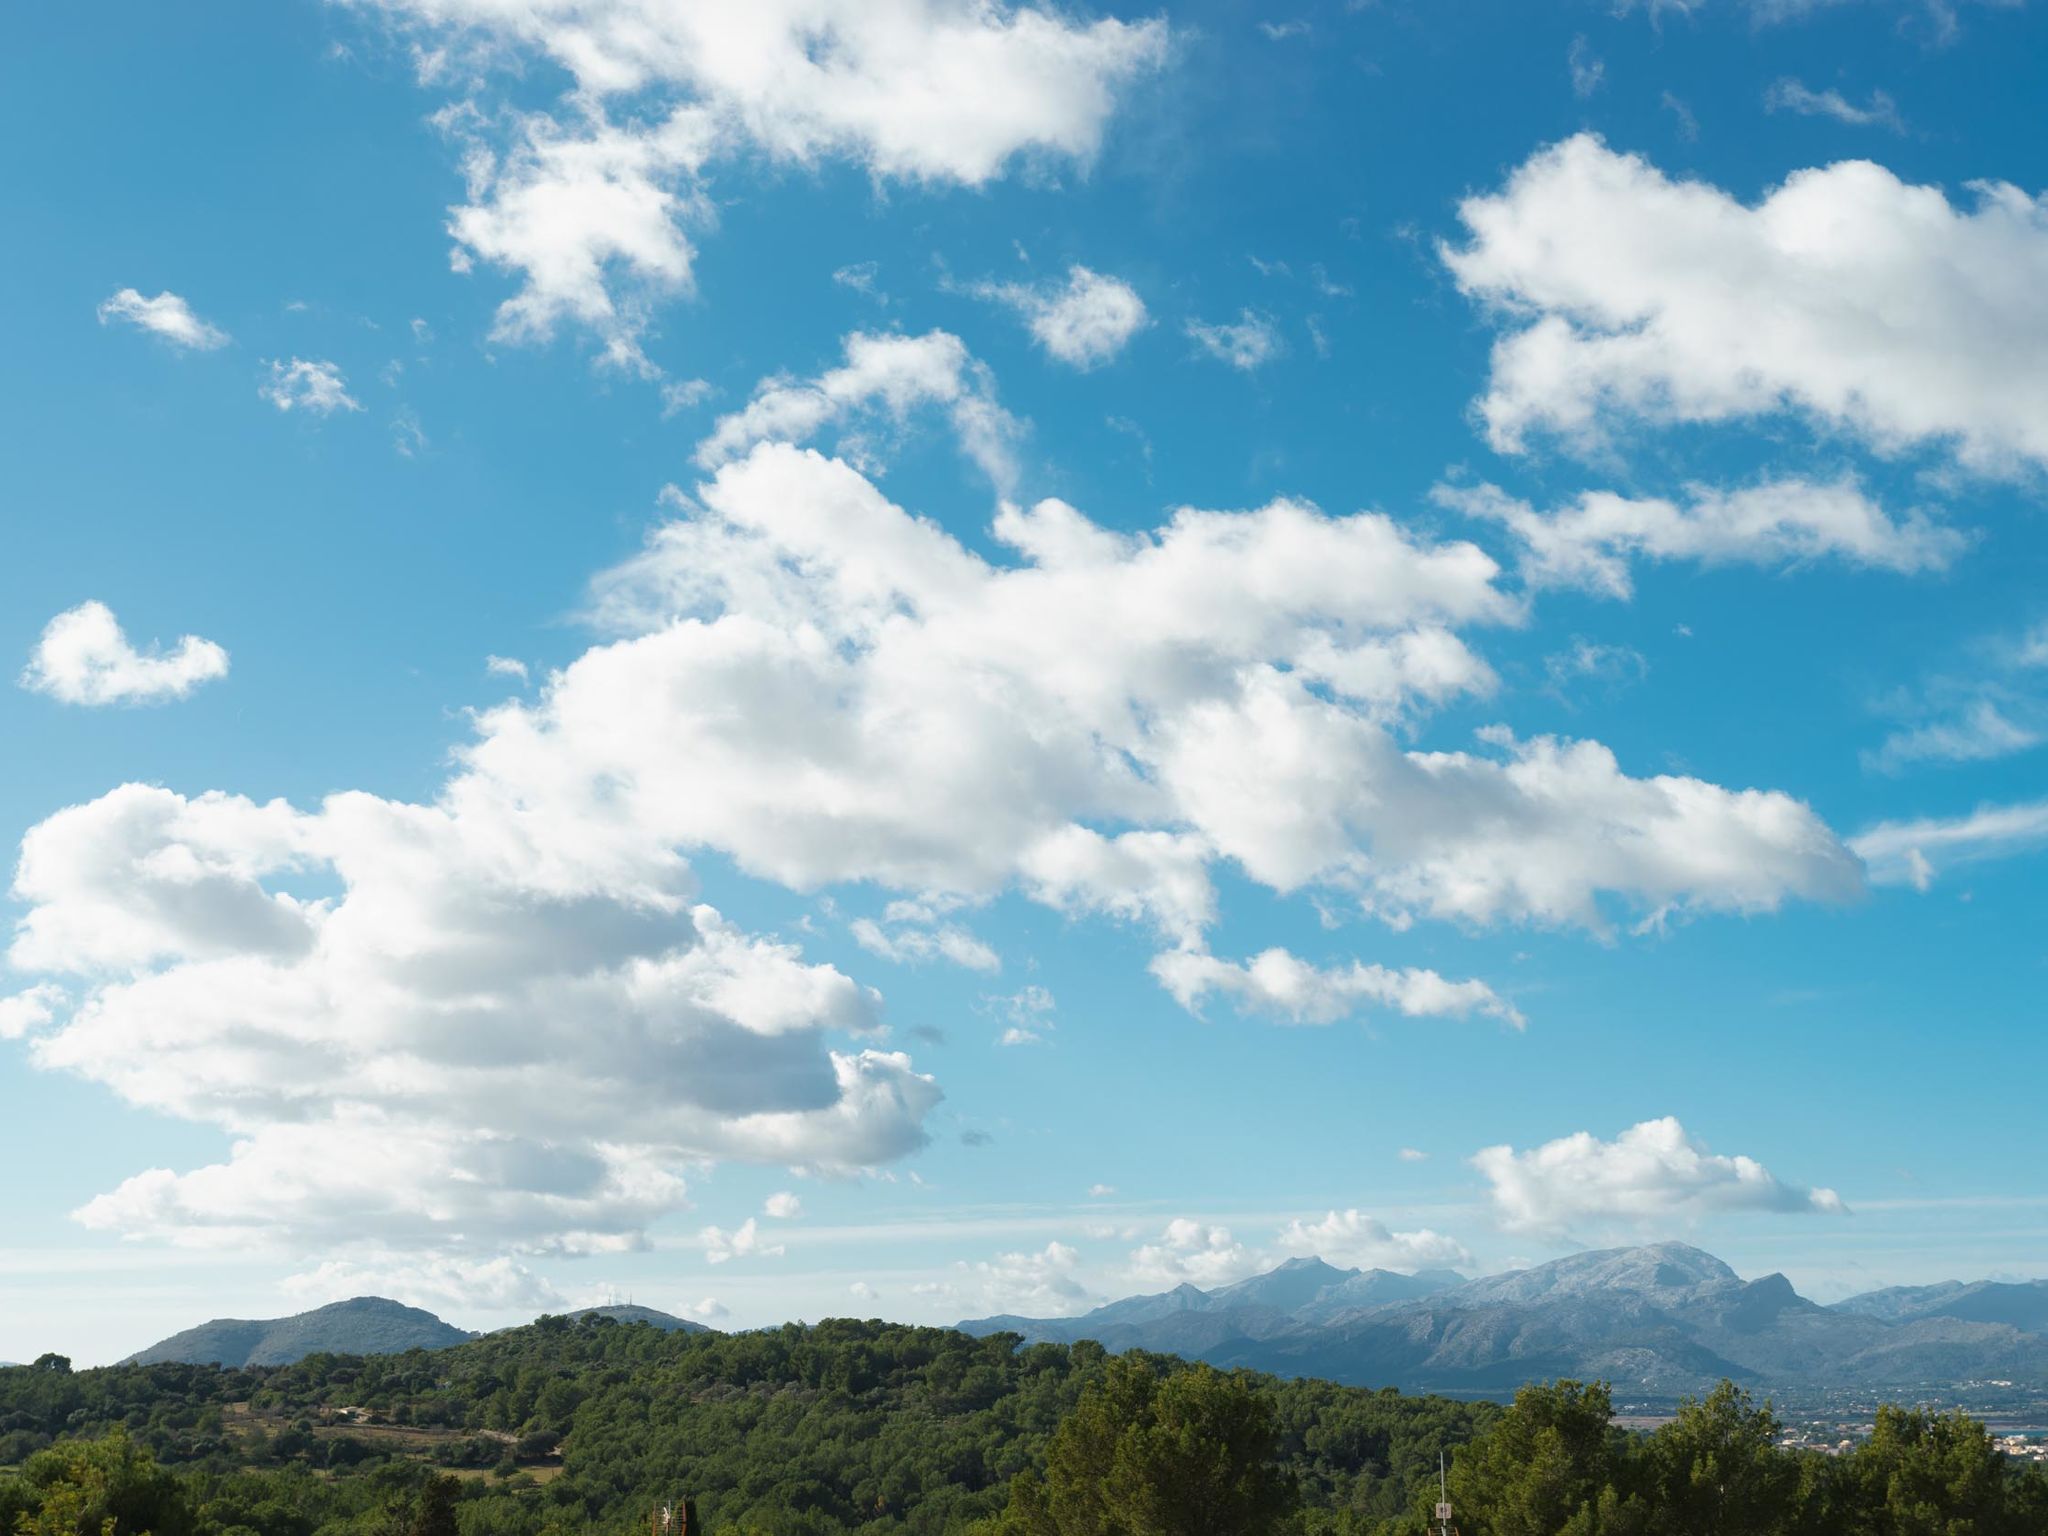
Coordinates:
(1666, 1318)
(627, 1312)
(2022, 1305)
(365, 1325)
(1190, 1321)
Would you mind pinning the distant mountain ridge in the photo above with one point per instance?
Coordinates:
(1666, 1318)
(363, 1325)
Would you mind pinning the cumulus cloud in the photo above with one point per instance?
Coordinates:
(1222, 689)
(463, 1027)
(1030, 1012)
(84, 658)
(1790, 95)
(1650, 1173)
(1084, 322)
(1037, 1284)
(1191, 1252)
(886, 376)
(166, 316)
(1276, 982)
(315, 387)
(1871, 306)
(1247, 343)
(783, 1206)
(593, 203)
(744, 1242)
(1359, 1241)
(1913, 852)
(1591, 542)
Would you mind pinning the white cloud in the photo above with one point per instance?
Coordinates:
(505, 666)
(1190, 1252)
(1222, 689)
(783, 1206)
(84, 658)
(860, 1290)
(1913, 852)
(1590, 542)
(167, 316)
(1790, 95)
(1978, 733)
(30, 1009)
(461, 1028)
(1651, 1173)
(678, 395)
(439, 1285)
(592, 215)
(744, 1242)
(1353, 1239)
(1248, 343)
(1040, 1284)
(593, 209)
(892, 375)
(1276, 982)
(708, 1309)
(1030, 1012)
(300, 385)
(1412, 1155)
(1084, 322)
(1101, 1191)
(1588, 69)
(911, 945)
(1872, 306)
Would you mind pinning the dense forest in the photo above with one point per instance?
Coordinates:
(805, 1431)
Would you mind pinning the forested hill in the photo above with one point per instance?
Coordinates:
(581, 1425)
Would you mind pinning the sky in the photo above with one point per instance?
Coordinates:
(927, 658)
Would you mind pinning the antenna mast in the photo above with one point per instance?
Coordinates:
(1441, 1525)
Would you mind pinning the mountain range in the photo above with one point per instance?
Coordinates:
(1663, 1319)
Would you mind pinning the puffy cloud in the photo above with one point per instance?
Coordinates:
(455, 1028)
(167, 316)
(317, 387)
(829, 689)
(84, 658)
(1913, 852)
(593, 211)
(1084, 322)
(1352, 1238)
(1413, 1155)
(506, 666)
(743, 1242)
(895, 374)
(1779, 522)
(1190, 1252)
(1247, 343)
(30, 1009)
(1651, 1172)
(1872, 306)
(708, 1309)
(1276, 982)
(1037, 1284)
(592, 215)
(783, 1206)
(1790, 95)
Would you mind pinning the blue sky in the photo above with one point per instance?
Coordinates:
(704, 685)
